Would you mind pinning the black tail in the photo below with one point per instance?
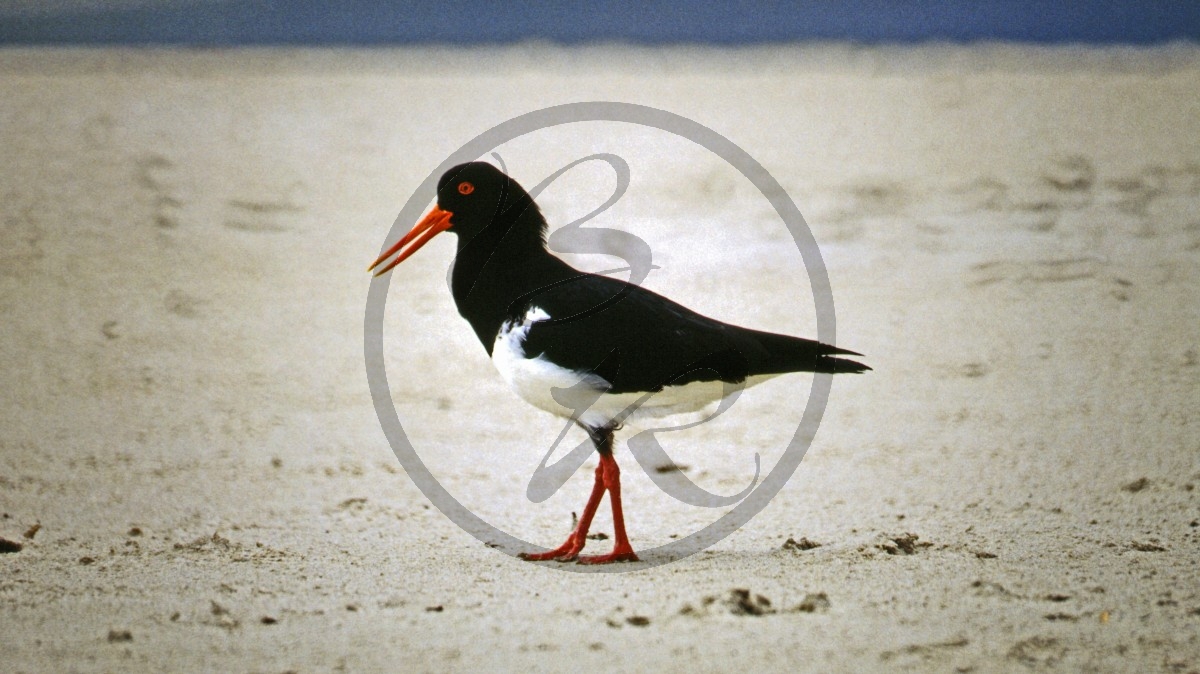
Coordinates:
(795, 354)
(840, 366)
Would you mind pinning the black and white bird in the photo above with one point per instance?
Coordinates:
(585, 347)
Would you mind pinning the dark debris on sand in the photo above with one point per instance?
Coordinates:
(817, 602)
(1136, 486)
(906, 544)
(742, 602)
(801, 545)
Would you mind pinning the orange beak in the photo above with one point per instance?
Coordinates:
(435, 222)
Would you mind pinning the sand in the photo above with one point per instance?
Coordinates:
(192, 466)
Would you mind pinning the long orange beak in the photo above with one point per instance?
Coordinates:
(435, 222)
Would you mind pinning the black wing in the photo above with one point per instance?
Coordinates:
(639, 341)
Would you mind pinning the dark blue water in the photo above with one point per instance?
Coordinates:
(377, 22)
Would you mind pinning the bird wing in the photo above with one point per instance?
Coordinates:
(640, 341)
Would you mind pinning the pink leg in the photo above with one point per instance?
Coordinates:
(578, 538)
(622, 550)
(608, 477)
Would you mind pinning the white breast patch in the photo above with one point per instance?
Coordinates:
(535, 378)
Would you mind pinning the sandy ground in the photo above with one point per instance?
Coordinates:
(1012, 237)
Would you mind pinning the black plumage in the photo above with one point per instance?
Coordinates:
(644, 340)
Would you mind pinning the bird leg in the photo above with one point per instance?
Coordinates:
(622, 550)
(578, 538)
(608, 478)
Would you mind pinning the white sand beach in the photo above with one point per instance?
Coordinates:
(193, 470)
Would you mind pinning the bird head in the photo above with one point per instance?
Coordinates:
(470, 198)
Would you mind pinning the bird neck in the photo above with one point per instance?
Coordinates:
(494, 269)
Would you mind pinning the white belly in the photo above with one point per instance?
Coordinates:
(570, 393)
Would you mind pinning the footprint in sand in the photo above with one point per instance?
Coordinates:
(265, 214)
(152, 172)
(1034, 271)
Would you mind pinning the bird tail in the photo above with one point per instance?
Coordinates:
(840, 365)
(795, 354)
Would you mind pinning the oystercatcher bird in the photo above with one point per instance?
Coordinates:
(589, 348)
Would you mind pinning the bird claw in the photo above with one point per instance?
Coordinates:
(567, 552)
(553, 555)
(614, 556)
(563, 556)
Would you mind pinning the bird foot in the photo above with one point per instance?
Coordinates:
(618, 555)
(564, 553)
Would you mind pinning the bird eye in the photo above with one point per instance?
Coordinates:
(465, 188)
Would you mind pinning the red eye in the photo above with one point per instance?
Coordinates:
(465, 188)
